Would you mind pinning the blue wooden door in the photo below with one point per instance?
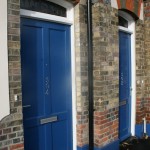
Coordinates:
(124, 85)
(46, 85)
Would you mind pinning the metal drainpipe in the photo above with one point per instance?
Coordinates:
(90, 73)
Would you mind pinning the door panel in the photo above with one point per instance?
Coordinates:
(58, 82)
(124, 84)
(60, 127)
(33, 71)
(33, 138)
(46, 85)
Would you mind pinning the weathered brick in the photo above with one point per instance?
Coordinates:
(6, 131)
(7, 142)
(147, 56)
(3, 137)
(20, 134)
(1, 132)
(5, 148)
(14, 123)
(13, 6)
(17, 140)
(13, 110)
(16, 146)
(11, 136)
(15, 1)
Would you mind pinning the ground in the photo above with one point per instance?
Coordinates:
(136, 144)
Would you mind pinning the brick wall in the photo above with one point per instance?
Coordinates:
(140, 70)
(11, 131)
(81, 73)
(106, 73)
(133, 6)
(147, 50)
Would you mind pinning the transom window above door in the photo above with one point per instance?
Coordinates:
(44, 6)
(123, 22)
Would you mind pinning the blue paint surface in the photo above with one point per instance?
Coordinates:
(46, 84)
(124, 85)
(112, 146)
(139, 128)
(86, 147)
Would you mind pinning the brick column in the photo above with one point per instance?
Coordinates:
(106, 73)
(147, 50)
(81, 75)
(140, 70)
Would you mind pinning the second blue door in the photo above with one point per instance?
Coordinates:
(124, 85)
(46, 85)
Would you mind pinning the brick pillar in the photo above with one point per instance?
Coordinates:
(147, 50)
(81, 74)
(140, 71)
(106, 73)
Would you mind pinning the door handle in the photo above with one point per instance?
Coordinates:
(26, 106)
(48, 120)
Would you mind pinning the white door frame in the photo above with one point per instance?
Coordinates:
(131, 30)
(69, 20)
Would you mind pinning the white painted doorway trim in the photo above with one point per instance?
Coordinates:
(69, 20)
(131, 30)
(4, 82)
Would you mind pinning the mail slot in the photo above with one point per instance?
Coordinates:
(122, 103)
(48, 120)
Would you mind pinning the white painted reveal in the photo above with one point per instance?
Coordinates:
(114, 4)
(4, 89)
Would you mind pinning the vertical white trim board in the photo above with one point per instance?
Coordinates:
(4, 88)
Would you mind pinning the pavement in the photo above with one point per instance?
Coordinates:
(135, 144)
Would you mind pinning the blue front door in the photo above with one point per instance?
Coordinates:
(124, 85)
(46, 85)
